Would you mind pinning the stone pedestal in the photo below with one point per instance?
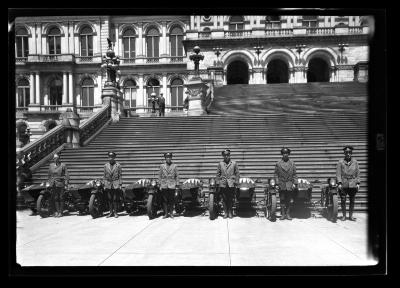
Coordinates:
(196, 91)
(111, 95)
(216, 73)
(71, 120)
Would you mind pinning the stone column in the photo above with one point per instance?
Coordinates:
(65, 87)
(37, 93)
(140, 95)
(164, 88)
(70, 89)
(163, 43)
(139, 43)
(39, 39)
(32, 89)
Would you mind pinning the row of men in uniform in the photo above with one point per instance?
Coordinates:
(227, 177)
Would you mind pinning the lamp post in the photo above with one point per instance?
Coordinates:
(196, 59)
(299, 49)
(217, 51)
(342, 47)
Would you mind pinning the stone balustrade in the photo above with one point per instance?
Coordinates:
(94, 123)
(50, 58)
(279, 32)
(87, 59)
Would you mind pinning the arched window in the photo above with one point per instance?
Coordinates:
(54, 39)
(272, 22)
(87, 98)
(152, 41)
(153, 85)
(130, 93)
(310, 21)
(22, 43)
(236, 23)
(86, 37)
(175, 39)
(128, 42)
(23, 93)
(176, 93)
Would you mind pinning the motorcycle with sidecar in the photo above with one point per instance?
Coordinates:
(45, 203)
(189, 195)
(271, 192)
(31, 193)
(302, 199)
(329, 199)
(81, 196)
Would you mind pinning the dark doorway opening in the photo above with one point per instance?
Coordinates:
(318, 70)
(277, 72)
(56, 92)
(238, 73)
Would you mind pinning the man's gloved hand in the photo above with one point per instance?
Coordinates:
(340, 186)
(358, 186)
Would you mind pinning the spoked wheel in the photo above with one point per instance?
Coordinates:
(95, 206)
(43, 206)
(270, 208)
(179, 208)
(211, 206)
(151, 207)
(333, 208)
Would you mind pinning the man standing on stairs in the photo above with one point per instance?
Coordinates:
(286, 181)
(161, 105)
(168, 178)
(347, 174)
(58, 180)
(112, 183)
(228, 176)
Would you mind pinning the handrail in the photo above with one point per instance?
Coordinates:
(94, 123)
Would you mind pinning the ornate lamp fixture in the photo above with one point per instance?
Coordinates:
(342, 47)
(217, 51)
(111, 64)
(258, 49)
(196, 59)
(299, 49)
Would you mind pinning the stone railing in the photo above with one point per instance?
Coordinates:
(88, 59)
(176, 59)
(128, 60)
(50, 141)
(85, 109)
(356, 30)
(94, 123)
(152, 60)
(21, 109)
(205, 34)
(21, 59)
(278, 32)
(321, 31)
(51, 58)
(238, 33)
(50, 107)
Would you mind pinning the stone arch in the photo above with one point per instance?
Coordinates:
(125, 27)
(78, 27)
(48, 26)
(282, 54)
(148, 26)
(325, 53)
(171, 77)
(155, 76)
(175, 23)
(127, 78)
(22, 77)
(234, 55)
(22, 25)
(85, 76)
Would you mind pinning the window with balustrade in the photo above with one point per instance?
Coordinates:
(128, 43)
(86, 39)
(176, 93)
(152, 43)
(54, 41)
(273, 22)
(21, 42)
(130, 93)
(236, 23)
(23, 93)
(175, 40)
(87, 98)
(310, 21)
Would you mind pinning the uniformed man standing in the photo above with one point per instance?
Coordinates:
(112, 183)
(161, 105)
(228, 176)
(286, 180)
(58, 180)
(168, 178)
(347, 174)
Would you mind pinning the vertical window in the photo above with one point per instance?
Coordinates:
(128, 42)
(310, 21)
(153, 85)
(130, 93)
(272, 22)
(22, 43)
(152, 41)
(86, 37)
(175, 39)
(236, 23)
(54, 39)
(87, 98)
(177, 92)
(23, 93)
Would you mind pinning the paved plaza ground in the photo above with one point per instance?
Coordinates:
(189, 241)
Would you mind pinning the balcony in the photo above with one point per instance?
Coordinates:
(85, 109)
(87, 59)
(21, 59)
(320, 31)
(51, 58)
(177, 59)
(278, 32)
(21, 109)
(206, 34)
(128, 60)
(152, 60)
(50, 108)
(237, 34)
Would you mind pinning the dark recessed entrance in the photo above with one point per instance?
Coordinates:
(238, 73)
(277, 72)
(318, 70)
(56, 92)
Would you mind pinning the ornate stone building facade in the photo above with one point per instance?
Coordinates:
(58, 58)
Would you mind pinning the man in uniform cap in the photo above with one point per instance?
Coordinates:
(58, 179)
(161, 105)
(286, 180)
(112, 182)
(227, 178)
(168, 178)
(347, 175)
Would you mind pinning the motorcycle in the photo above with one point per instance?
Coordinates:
(270, 200)
(189, 196)
(214, 199)
(81, 196)
(98, 200)
(329, 199)
(136, 196)
(45, 203)
(31, 194)
(154, 201)
(302, 199)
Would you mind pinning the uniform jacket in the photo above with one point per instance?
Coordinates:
(168, 176)
(161, 101)
(348, 173)
(228, 174)
(112, 175)
(285, 174)
(58, 175)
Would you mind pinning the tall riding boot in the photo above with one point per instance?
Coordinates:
(111, 210)
(230, 209)
(283, 214)
(171, 211)
(61, 206)
(343, 204)
(351, 208)
(57, 209)
(225, 206)
(288, 212)
(165, 208)
(115, 210)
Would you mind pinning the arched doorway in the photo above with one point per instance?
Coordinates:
(318, 70)
(277, 71)
(56, 92)
(237, 73)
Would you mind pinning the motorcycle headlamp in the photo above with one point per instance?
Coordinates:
(332, 182)
(98, 183)
(153, 183)
(212, 182)
(272, 182)
(47, 184)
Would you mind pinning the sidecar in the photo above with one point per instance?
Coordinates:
(302, 197)
(31, 194)
(189, 196)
